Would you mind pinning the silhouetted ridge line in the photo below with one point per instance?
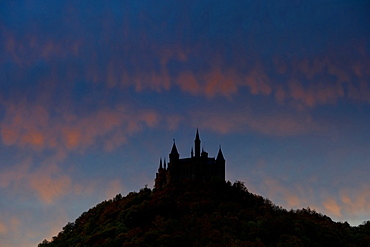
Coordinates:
(204, 213)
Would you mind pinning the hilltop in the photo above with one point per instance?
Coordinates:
(195, 213)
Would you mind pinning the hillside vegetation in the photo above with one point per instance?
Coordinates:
(204, 214)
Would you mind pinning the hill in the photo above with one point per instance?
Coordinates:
(204, 214)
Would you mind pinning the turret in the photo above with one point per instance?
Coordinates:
(160, 178)
(220, 164)
(160, 165)
(174, 155)
(220, 156)
(197, 145)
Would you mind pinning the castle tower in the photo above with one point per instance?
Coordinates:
(220, 164)
(220, 156)
(160, 179)
(160, 165)
(174, 155)
(197, 145)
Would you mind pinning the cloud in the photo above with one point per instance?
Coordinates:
(3, 229)
(19, 233)
(16, 175)
(332, 207)
(355, 201)
(48, 183)
(217, 82)
(29, 125)
(351, 203)
(287, 194)
(199, 60)
(317, 83)
(9, 226)
(188, 83)
(45, 139)
(113, 188)
(258, 82)
(276, 123)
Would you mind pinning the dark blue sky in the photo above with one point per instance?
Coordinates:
(93, 92)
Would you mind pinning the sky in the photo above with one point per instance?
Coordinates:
(92, 94)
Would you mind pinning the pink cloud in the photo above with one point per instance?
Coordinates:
(306, 84)
(106, 124)
(24, 125)
(8, 226)
(287, 194)
(53, 226)
(29, 125)
(210, 83)
(258, 82)
(332, 207)
(34, 139)
(188, 83)
(217, 82)
(350, 203)
(46, 182)
(49, 183)
(3, 229)
(9, 136)
(297, 92)
(113, 188)
(357, 200)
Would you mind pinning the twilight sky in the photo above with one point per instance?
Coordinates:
(93, 92)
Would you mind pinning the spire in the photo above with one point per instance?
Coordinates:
(197, 136)
(192, 152)
(174, 155)
(164, 163)
(174, 148)
(160, 164)
(220, 156)
(197, 144)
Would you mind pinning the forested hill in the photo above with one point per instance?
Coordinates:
(204, 214)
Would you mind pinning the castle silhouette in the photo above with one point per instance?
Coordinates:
(198, 166)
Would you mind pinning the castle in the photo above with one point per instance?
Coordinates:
(197, 166)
